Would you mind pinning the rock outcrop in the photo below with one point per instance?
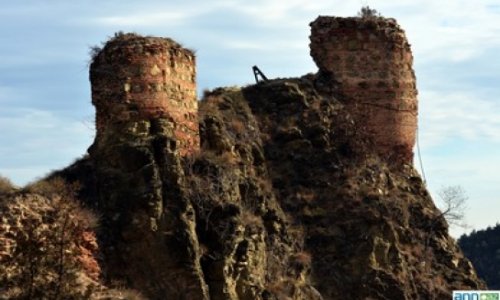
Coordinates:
(298, 188)
(370, 225)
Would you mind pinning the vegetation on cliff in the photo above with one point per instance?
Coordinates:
(48, 246)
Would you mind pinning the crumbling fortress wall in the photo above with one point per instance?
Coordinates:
(141, 78)
(371, 62)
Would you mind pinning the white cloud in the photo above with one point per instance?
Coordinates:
(269, 11)
(450, 115)
(142, 19)
(265, 45)
(35, 140)
(449, 30)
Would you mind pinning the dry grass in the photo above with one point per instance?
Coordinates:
(229, 158)
(224, 159)
(281, 289)
(58, 188)
(238, 126)
(303, 258)
(117, 294)
(250, 219)
(265, 184)
(307, 196)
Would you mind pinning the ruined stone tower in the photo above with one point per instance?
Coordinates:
(143, 89)
(371, 62)
(143, 78)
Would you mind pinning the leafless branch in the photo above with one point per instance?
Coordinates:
(454, 199)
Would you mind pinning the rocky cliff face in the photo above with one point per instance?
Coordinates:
(287, 197)
(369, 223)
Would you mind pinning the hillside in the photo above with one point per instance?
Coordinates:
(292, 188)
(482, 247)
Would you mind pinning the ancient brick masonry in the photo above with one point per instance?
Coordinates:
(371, 61)
(144, 78)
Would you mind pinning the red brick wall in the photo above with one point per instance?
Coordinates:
(372, 62)
(143, 78)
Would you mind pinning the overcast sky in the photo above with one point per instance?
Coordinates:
(46, 115)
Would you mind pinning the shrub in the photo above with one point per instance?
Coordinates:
(303, 258)
(238, 126)
(47, 245)
(300, 264)
(250, 219)
(53, 187)
(119, 294)
(6, 185)
(368, 13)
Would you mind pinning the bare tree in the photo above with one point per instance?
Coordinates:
(366, 12)
(453, 199)
(453, 205)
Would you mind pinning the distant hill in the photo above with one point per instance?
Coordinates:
(483, 249)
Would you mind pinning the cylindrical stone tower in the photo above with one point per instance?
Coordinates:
(371, 62)
(143, 78)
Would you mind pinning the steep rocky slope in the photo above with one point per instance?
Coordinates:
(287, 195)
(370, 226)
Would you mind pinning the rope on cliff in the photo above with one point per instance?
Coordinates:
(420, 157)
